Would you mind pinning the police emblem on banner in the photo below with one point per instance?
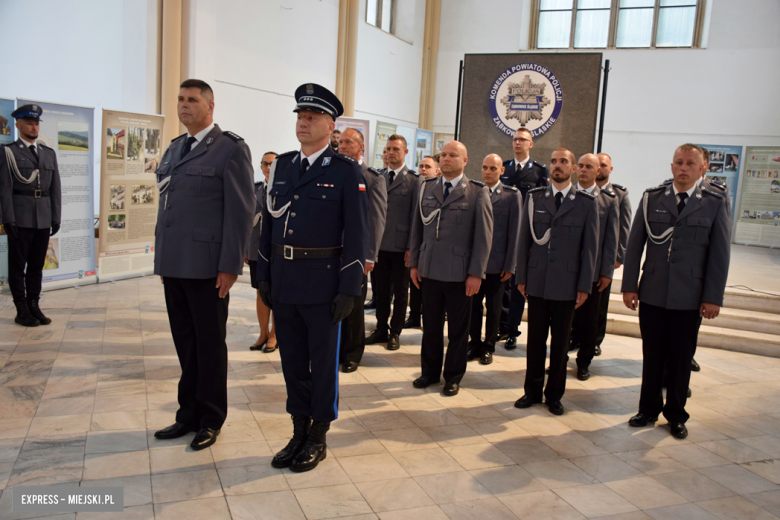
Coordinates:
(526, 95)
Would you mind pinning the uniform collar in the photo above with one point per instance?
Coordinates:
(401, 170)
(523, 163)
(565, 190)
(689, 192)
(201, 135)
(454, 181)
(586, 190)
(27, 143)
(316, 155)
(494, 188)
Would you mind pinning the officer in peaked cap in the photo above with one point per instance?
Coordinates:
(31, 201)
(313, 249)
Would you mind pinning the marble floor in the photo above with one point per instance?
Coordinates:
(81, 398)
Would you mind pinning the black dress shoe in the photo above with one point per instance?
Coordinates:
(424, 382)
(597, 352)
(475, 350)
(204, 438)
(377, 337)
(502, 336)
(32, 304)
(370, 305)
(301, 426)
(450, 388)
(349, 366)
(555, 407)
(314, 449)
(268, 350)
(511, 343)
(258, 347)
(678, 429)
(486, 358)
(583, 374)
(174, 431)
(694, 365)
(526, 402)
(394, 342)
(689, 392)
(640, 420)
(412, 323)
(23, 316)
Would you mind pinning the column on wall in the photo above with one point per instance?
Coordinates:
(429, 62)
(170, 64)
(346, 63)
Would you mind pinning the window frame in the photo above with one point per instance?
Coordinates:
(614, 12)
(379, 10)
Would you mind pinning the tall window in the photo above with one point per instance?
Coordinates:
(379, 13)
(600, 24)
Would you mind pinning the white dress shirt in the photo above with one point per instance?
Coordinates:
(565, 190)
(313, 157)
(200, 135)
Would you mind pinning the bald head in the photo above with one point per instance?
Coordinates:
(605, 168)
(587, 169)
(351, 143)
(492, 169)
(453, 159)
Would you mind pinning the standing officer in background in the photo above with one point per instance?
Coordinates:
(371, 304)
(687, 234)
(334, 140)
(556, 261)
(428, 169)
(267, 340)
(451, 236)
(585, 326)
(624, 214)
(391, 276)
(501, 263)
(524, 174)
(354, 327)
(313, 248)
(31, 202)
(204, 220)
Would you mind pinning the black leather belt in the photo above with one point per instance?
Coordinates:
(296, 253)
(37, 193)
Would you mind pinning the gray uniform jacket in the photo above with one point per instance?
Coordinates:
(609, 229)
(205, 214)
(624, 208)
(27, 211)
(717, 186)
(566, 264)
(456, 243)
(693, 265)
(257, 221)
(376, 190)
(401, 203)
(507, 206)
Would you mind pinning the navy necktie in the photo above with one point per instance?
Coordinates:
(304, 166)
(187, 147)
(35, 154)
(392, 177)
(447, 186)
(558, 199)
(681, 204)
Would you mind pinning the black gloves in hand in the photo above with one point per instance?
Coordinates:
(55, 226)
(341, 307)
(265, 294)
(11, 231)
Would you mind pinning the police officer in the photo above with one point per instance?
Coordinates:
(313, 249)
(31, 202)
(524, 174)
(267, 340)
(391, 276)
(451, 236)
(507, 206)
(586, 316)
(624, 214)
(204, 220)
(354, 327)
(685, 233)
(556, 263)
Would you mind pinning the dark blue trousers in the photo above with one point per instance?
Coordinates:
(512, 309)
(309, 347)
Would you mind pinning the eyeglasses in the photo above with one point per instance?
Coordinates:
(266, 164)
(521, 140)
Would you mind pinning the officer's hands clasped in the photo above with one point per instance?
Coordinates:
(341, 307)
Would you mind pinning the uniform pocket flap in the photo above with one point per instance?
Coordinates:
(203, 171)
(280, 190)
(429, 203)
(573, 267)
(46, 165)
(324, 193)
(460, 251)
(699, 221)
(499, 212)
(206, 235)
(542, 217)
(573, 221)
(659, 217)
(460, 205)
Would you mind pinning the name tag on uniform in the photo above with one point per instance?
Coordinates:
(326, 185)
(280, 182)
(429, 198)
(540, 211)
(661, 211)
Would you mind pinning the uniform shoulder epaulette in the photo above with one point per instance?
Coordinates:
(506, 163)
(46, 146)
(589, 195)
(717, 183)
(414, 173)
(258, 184)
(538, 188)
(656, 188)
(668, 182)
(176, 138)
(287, 154)
(611, 194)
(374, 171)
(428, 179)
(511, 188)
(618, 186)
(479, 183)
(233, 136)
(345, 158)
(711, 192)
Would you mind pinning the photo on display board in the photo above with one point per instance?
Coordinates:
(152, 141)
(73, 136)
(116, 221)
(135, 143)
(766, 215)
(52, 254)
(115, 143)
(150, 164)
(732, 162)
(5, 128)
(117, 197)
(143, 194)
(716, 168)
(774, 186)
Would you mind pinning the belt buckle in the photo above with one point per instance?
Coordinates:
(37, 194)
(288, 252)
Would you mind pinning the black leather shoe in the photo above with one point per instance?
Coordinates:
(689, 392)
(204, 438)
(583, 374)
(349, 366)
(412, 323)
(258, 347)
(314, 449)
(450, 388)
(486, 358)
(597, 352)
(694, 365)
(301, 427)
(23, 316)
(394, 342)
(174, 431)
(268, 350)
(370, 305)
(555, 407)
(640, 420)
(377, 337)
(32, 304)
(511, 343)
(526, 402)
(475, 350)
(678, 430)
(502, 336)
(423, 382)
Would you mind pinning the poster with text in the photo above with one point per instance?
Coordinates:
(724, 165)
(383, 131)
(439, 140)
(423, 146)
(69, 130)
(361, 125)
(131, 150)
(758, 214)
(6, 136)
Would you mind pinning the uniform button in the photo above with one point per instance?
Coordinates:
(673, 260)
(292, 214)
(323, 196)
(556, 223)
(290, 232)
(552, 260)
(169, 206)
(173, 189)
(168, 224)
(552, 247)
(296, 197)
(679, 223)
(328, 266)
(199, 171)
(175, 172)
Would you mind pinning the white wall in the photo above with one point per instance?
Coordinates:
(657, 99)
